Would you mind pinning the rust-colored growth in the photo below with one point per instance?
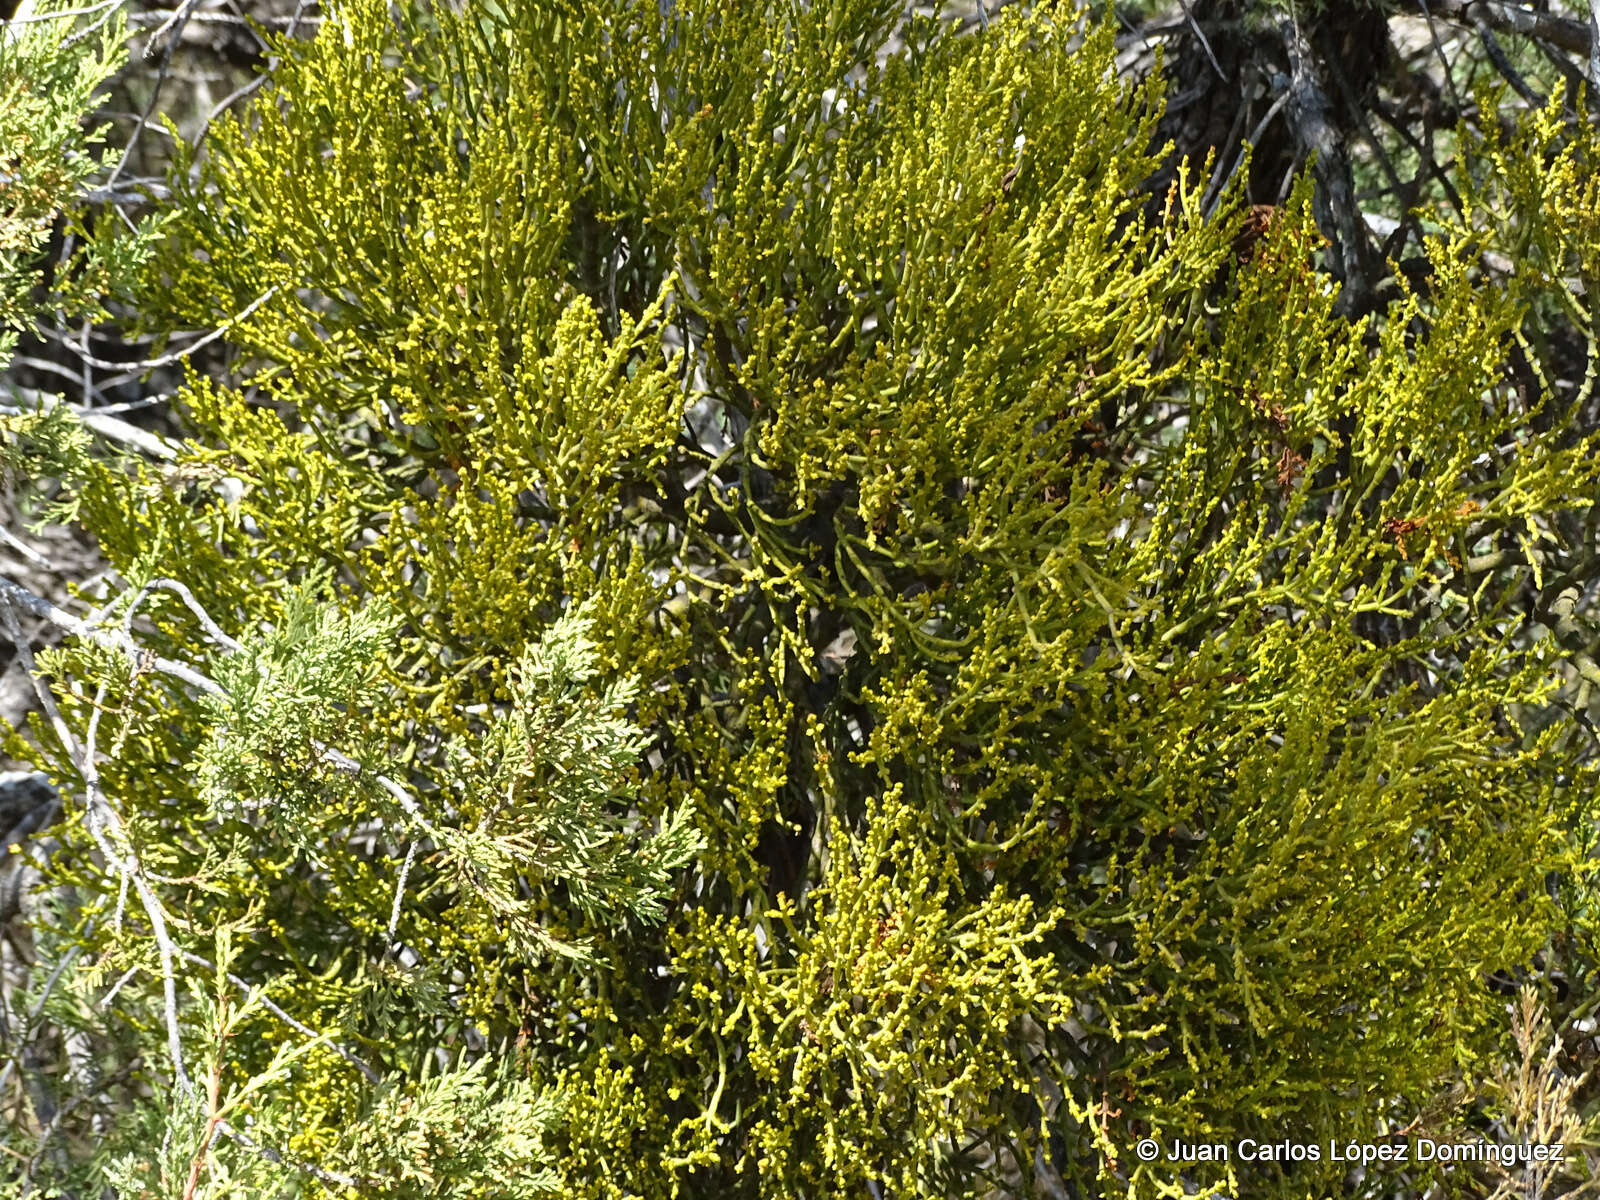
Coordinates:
(1400, 528)
(885, 926)
(1290, 465)
(1274, 412)
(1256, 224)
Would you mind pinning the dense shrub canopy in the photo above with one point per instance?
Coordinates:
(764, 621)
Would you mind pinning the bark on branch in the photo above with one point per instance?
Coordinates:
(1570, 35)
(1337, 211)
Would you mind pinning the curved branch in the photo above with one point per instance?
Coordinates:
(1573, 36)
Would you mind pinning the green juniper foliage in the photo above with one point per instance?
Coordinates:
(48, 77)
(46, 86)
(51, 69)
(782, 628)
(301, 689)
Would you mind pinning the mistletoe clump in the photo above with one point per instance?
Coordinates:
(778, 627)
